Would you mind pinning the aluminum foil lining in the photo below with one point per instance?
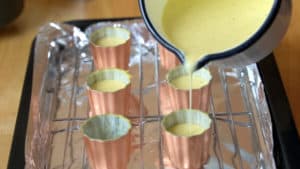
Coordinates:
(241, 133)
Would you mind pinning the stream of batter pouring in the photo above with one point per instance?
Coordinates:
(201, 27)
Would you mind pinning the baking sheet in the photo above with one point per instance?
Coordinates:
(59, 105)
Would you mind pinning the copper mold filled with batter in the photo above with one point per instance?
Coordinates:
(173, 99)
(187, 152)
(111, 56)
(102, 102)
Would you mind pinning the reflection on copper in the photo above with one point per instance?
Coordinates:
(187, 152)
(104, 102)
(173, 99)
(108, 155)
(100, 106)
(168, 60)
(111, 57)
(112, 154)
(108, 102)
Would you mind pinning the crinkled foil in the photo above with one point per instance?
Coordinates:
(242, 129)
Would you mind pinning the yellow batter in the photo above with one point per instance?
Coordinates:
(201, 27)
(108, 85)
(110, 41)
(186, 129)
(185, 82)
